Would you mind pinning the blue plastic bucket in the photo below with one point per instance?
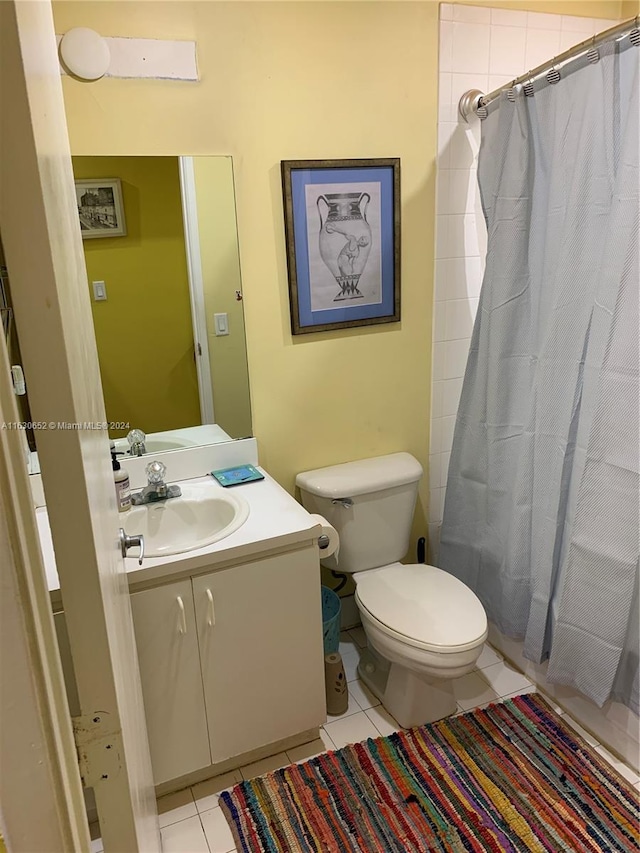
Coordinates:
(330, 620)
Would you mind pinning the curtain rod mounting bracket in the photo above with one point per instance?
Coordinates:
(469, 103)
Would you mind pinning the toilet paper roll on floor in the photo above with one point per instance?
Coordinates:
(333, 547)
(336, 687)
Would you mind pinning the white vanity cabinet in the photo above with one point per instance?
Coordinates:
(231, 660)
(167, 643)
(229, 641)
(260, 636)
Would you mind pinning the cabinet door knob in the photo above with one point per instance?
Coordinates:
(211, 618)
(182, 619)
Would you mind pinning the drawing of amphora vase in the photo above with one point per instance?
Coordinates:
(345, 239)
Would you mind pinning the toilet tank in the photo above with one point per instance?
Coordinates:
(370, 503)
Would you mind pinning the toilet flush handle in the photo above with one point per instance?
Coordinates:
(345, 502)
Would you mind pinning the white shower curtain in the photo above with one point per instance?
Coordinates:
(542, 516)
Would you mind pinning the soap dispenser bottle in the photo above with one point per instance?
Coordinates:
(123, 490)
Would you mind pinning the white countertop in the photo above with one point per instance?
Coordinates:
(275, 521)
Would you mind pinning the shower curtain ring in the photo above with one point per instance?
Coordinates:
(553, 75)
(593, 54)
(528, 87)
(511, 92)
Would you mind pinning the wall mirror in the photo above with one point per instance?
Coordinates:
(166, 298)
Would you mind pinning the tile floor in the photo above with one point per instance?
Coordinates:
(191, 821)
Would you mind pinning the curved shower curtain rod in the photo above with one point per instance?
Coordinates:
(475, 100)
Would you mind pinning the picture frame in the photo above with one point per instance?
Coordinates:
(342, 232)
(100, 208)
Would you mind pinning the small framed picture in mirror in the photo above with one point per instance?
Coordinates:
(342, 229)
(100, 208)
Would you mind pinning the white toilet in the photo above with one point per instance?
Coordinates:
(424, 626)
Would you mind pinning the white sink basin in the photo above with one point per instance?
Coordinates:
(203, 515)
(158, 445)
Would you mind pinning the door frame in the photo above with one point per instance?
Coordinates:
(37, 747)
(196, 287)
(43, 245)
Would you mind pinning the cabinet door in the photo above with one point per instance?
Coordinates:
(260, 633)
(164, 623)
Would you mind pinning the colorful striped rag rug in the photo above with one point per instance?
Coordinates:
(511, 777)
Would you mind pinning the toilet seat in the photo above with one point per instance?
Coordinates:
(422, 606)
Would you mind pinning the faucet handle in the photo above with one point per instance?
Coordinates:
(135, 436)
(155, 472)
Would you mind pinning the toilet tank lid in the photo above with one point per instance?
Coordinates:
(362, 477)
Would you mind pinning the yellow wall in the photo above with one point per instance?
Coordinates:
(220, 259)
(630, 8)
(143, 330)
(299, 80)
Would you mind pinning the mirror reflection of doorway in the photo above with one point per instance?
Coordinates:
(154, 327)
(163, 365)
(142, 316)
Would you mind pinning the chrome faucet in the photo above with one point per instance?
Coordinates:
(136, 439)
(156, 488)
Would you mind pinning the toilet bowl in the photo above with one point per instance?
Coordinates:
(424, 626)
(427, 628)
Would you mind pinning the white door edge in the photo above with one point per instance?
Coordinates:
(40, 774)
(42, 241)
(196, 287)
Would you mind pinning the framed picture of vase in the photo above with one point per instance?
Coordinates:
(342, 229)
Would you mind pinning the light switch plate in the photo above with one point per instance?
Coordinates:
(99, 291)
(221, 323)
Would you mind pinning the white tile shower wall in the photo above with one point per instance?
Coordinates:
(483, 49)
(480, 48)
